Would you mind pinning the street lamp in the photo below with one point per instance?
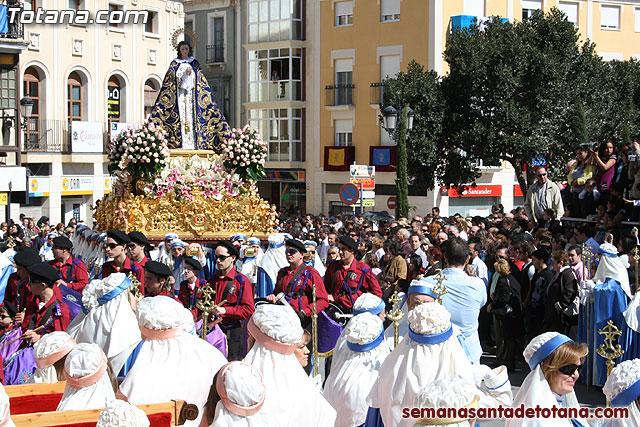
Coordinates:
(398, 132)
(26, 109)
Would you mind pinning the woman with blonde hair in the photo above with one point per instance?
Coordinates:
(555, 361)
(506, 307)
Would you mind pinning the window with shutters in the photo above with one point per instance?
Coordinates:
(389, 10)
(529, 7)
(610, 17)
(571, 10)
(344, 13)
(343, 133)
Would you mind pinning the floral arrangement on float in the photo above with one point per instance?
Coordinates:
(140, 160)
(208, 196)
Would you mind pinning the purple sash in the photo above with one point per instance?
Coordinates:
(215, 337)
(7, 350)
(20, 367)
(328, 333)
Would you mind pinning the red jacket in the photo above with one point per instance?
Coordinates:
(239, 296)
(54, 319)
(347, 284)
(300, 292)
(188, 297)
(18, 293)
(73, 273)
(128, 267)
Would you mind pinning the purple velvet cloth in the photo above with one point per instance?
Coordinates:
(215, 337)
(20, 367)
(7, 350)
(328, 333)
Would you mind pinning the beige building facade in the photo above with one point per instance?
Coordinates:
(84, 79)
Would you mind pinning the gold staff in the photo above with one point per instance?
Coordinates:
(587, 254)
(135, 286)
(440, 289)
(206, 305)
(611, 334)
(395, 316)
(636, 258)
(11, 242)
(314, 328)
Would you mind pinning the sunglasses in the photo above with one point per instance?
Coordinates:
(131, 246)
(311, 252)
(541, 174)
(112, 245)
(292, 251)
(222, 257)
(570, 369)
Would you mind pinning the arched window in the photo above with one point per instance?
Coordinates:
(32, 87)
(114, 100)
(75, 97)
(151, 89)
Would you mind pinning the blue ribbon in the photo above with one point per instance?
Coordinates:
(431, 339)
(548, 348)
(627, 396)
(115, 291)
(422, 289)
(276, 245)
(608, 254)
(374, 310)
(368, 346)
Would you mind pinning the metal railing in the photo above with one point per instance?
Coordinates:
(341, 94)
(215, 53)
(48, 136)
(15, 30)
(376, 93)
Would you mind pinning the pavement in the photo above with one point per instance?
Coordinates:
(589, 398)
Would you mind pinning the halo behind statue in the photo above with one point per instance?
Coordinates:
(175, 35)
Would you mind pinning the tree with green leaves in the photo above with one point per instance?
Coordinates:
(511, 89)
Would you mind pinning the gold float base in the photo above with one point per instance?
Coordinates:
(198, 219)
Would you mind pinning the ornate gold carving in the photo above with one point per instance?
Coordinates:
(200, 218)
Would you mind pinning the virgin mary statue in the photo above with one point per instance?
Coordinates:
(186, 108)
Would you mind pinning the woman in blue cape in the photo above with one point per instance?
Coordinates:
(186, 108)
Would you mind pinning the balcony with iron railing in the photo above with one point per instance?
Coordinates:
(13, 30)
(340, 95)
(376, 94)
(215, 53)
(51, 136)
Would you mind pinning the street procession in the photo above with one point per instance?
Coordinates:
(210, 222)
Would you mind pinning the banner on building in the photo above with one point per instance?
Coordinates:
(338, 158)
(383, 158)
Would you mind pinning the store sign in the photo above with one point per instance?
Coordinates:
(478, 191)
(362, 171)
(76, 185)
(113, 102)
(367, 183)
(117, 127)
(4, 198)
(86, 137)
(38, 186)
(517, 191)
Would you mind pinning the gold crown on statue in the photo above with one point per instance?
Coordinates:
(175, 35)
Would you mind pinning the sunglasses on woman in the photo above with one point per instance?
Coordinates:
(570, 369)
